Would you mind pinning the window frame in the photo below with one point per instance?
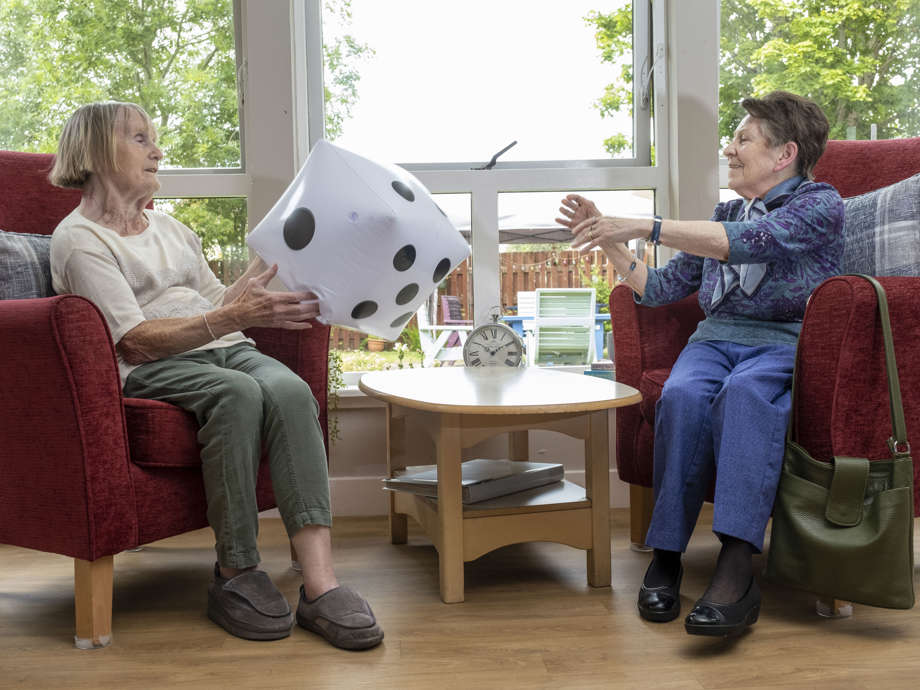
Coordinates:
(484, 186)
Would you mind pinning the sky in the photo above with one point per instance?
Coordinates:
(458, 81)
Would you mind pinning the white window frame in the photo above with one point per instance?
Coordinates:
(214, 182)
(484, 186)
(280, 72)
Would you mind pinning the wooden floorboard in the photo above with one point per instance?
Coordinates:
(529, 621)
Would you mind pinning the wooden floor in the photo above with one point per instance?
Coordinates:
(529, 621)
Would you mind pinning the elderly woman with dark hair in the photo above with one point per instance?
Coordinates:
(724, 409)
(178, 337)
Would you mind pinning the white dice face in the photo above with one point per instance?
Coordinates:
(367, 238)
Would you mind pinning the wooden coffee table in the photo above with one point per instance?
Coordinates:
(457, 407)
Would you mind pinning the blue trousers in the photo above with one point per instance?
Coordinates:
(723, 412)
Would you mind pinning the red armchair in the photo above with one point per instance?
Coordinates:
(841, 362)
(84, 471)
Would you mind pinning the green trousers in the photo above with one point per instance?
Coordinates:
(243, 400)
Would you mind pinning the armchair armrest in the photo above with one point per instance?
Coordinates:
(306, 353)
(65, 485)
(649, 337)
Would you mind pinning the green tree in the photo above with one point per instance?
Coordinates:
(613, 35)
(175, 58)
(860, 61)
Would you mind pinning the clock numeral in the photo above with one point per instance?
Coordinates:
(474, 353)
(512, 362)
(493, 332)
(476, 362)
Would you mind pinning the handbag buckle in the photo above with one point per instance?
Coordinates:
(893, 444)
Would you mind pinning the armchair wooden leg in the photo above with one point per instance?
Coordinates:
(641, 503)
(93, 602)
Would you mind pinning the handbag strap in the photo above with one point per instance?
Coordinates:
(897, 443)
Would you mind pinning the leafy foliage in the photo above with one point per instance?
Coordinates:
(860, 61)
(613, 35)
(174, 58)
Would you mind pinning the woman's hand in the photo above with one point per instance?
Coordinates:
(257, 306)
(576, 209)
(606, 232)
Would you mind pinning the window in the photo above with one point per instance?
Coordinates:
(177, 60)
(556, 78)
(481, 75)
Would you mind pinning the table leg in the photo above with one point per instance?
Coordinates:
(519, 445)
(450, 510)
(597, 488)
(396, 448)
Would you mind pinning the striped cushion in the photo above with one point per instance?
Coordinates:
(882, 231)
(25, 270)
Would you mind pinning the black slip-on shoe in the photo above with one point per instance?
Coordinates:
(660, 604)
(710, 618)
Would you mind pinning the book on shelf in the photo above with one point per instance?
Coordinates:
(481, 478)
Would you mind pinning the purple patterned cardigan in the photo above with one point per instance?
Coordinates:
(801, 241)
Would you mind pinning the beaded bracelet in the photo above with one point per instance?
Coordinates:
(655, 236)
(204, 317)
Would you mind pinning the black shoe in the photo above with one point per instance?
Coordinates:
(710, 618)
(660, 604)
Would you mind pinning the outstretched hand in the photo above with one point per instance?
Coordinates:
(256, 305)
(576, 209)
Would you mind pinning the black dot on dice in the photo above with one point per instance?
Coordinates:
(364, 309)
(299, 228)
(403, 190)
(404, 258)
(407, 294)
(400, 320)
(441, 270)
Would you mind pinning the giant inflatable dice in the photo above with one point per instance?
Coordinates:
(367, 238)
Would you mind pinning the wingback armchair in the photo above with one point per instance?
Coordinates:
(841, 402)
(84, 471)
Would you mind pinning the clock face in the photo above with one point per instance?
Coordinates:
(492, 345)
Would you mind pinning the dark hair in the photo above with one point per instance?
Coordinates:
(786, 117)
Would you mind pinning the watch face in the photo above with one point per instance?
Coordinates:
(492, 346)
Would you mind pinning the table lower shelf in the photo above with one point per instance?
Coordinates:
(557, 512)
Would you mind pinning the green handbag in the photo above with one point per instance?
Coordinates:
(845, 529)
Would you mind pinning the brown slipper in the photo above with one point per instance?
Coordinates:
(342, 617)
(249, 606)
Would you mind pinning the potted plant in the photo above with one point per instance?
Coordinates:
(375, 344)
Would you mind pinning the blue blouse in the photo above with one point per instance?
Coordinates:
(800, 240)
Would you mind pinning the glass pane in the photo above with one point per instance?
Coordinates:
(417, 345)
(174, 58)
(420, 81)
(535, 252)
(222, 226)
(855, 60)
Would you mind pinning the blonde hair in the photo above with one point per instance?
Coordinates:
(88, 142)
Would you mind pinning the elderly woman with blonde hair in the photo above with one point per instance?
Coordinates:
(178, 337)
